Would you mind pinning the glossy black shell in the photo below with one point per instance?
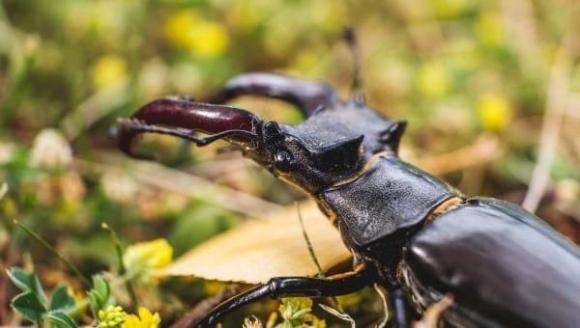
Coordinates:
(503, 265)
(392, 196)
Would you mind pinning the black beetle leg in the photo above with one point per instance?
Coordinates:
(306, 95)
(399, 308)
(291, 286)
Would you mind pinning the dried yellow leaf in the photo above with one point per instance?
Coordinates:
(259, 250)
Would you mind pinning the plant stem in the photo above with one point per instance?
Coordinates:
(122, 268)
(54, 252)
(309, 244)
(320, 274)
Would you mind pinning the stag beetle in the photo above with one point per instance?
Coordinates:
(409, 232)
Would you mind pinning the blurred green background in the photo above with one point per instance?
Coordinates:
(490, 90)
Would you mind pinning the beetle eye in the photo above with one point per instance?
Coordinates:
(283, 159)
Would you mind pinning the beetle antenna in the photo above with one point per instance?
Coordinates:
(349, 35)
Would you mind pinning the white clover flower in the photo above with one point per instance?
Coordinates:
(51, 151)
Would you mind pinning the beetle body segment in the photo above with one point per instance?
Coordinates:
(387, 199)
(502, 265)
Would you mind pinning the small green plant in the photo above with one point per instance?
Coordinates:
(34, 305)
(296, 312)
(99, 295)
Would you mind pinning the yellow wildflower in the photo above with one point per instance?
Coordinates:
(109, 71)
(187, 30)
(494, 112)
(178, 25)
(212, 39)
(142, 258)
(489, 29)
(433, 79)
(112, 317)
(145, 320)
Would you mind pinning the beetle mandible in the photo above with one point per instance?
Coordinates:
(410, 233)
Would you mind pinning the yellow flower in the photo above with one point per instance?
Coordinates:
(433, 79)
(212, 39)
(145, 320)
(489, 29)
(142, 258)
(112, 317)
(187, 30)
(494, 112)
(178, 25)
(109, 71)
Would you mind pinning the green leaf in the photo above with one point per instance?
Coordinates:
(100, 294)
(61, 299)
(28, 305)
(101, 285)
(95, 302)
(27, 282)
(61, 319)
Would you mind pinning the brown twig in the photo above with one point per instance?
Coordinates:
(519, 19)
(188, 185)
(202, 308)
(556, 105)
(485, 149)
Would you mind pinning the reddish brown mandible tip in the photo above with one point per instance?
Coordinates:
(180, 117)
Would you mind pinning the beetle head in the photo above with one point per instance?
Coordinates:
(329, 147)
(304, 163)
